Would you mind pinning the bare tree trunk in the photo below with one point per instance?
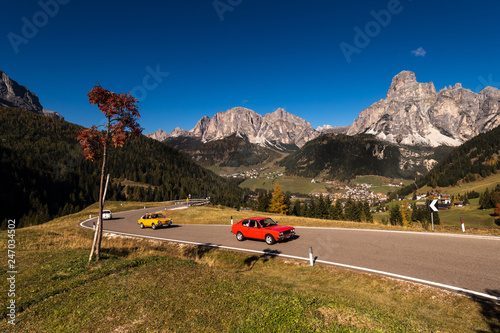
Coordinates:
(96, 246)
(101, 189)
(94, 242)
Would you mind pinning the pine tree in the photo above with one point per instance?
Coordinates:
(262, 202)
(336, 212)
(277, 204)
(395, 217)
(296, 208)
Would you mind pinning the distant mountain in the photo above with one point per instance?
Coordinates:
(339, 156)
(413, 117)
(325, 129)
(232, 151)
(414, 113)
(279, 129)
(52, 114)
(44, 172)
(14, 95)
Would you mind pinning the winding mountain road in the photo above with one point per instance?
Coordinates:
(463, 263)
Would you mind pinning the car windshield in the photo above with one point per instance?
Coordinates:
(267, 223)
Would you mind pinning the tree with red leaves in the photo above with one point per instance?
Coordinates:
(122, 114)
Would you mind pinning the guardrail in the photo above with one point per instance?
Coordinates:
(192, 202)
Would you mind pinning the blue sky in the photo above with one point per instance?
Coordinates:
(187, 59)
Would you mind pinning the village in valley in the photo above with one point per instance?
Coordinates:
(382, 191)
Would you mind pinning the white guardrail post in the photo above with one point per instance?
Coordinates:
(311, 258)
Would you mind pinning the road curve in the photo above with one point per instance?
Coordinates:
(466, 264)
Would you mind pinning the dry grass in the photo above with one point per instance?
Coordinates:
(143, 285)
(222, 215)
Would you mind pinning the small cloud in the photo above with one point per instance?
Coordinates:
(420, 52)
(245, 101)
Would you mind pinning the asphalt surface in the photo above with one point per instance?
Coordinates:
(461, 261)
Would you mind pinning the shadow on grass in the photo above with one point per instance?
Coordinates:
(112, 252)
(490, 311)
(198, 251)
(268, 254)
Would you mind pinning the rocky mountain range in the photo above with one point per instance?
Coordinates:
(414, 113)
(15, 95)
(277, 129)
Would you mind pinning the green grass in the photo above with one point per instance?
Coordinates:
(477, 221)
(378, 180)
(303, 185)
(287, 183)
(152, 286)
(472, 215)
(478, 186)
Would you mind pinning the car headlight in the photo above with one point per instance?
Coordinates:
(281, 233)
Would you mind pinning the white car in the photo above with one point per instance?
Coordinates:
(106, 215)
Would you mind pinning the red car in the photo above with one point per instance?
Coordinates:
(262, 228)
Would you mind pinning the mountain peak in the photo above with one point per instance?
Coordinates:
(401, 81)
(414, 113)
(14, 95)
(159, 135)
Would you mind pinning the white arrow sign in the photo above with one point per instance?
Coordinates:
(432, 205)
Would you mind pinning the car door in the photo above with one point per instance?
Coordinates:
(253, 229)
(244, 227)
(147, 221)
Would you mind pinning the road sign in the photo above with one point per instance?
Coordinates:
(432, 205)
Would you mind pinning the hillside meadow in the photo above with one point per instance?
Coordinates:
(151, 286)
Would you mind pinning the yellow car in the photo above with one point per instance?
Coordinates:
(154, 221)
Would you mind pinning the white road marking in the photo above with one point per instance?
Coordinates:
(424, 233)
(362, 269)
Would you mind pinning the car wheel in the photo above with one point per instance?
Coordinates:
(270, 239)
(142, 226)
(239, 236)
(153, 226)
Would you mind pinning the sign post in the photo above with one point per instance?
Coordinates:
(432, 208)
(463, 225)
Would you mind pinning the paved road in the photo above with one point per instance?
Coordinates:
(467, 262)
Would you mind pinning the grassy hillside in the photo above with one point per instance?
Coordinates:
(44, 173)
(477, 158)
(478, 185)
(145, 285)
